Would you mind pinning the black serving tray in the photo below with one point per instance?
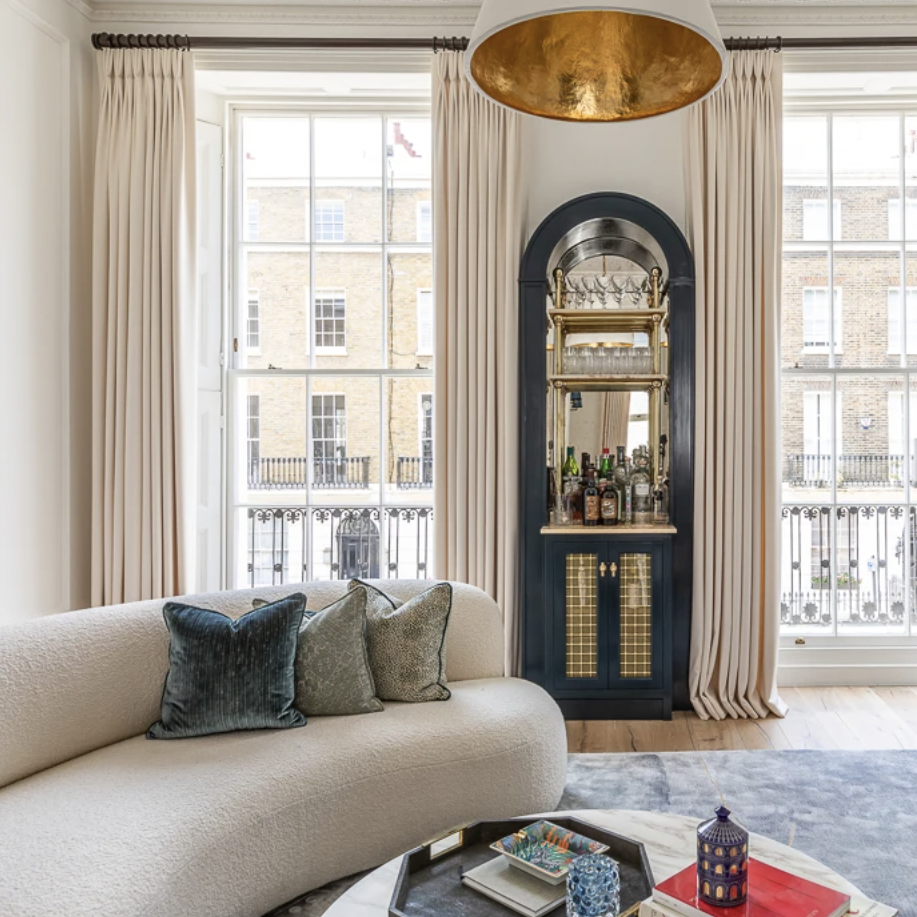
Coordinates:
(430, 883)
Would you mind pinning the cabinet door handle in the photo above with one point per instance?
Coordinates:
(614, 571)
(603, 569)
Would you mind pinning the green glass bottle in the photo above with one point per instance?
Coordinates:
(571, 468)
(606, 466)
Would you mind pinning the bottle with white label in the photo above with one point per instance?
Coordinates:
(642, 485)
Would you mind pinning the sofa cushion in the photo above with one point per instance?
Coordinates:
(235, 825)
(407, 643)
(226, 675)
(333, 676)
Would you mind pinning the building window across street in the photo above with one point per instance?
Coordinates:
(425, 222)
(252, 221)
(252, 323)
(329, 221)
(817, 320)
(815, 221)
(330, 320)
(425, 322)
(894, 320)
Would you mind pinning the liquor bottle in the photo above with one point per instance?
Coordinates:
(621, 481)
(586, 464)
(608, 501)
(661, 491)
(605, 467)
(642, 484)
(592, 510)
(571, 469)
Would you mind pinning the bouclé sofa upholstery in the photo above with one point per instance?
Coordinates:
(97, 820)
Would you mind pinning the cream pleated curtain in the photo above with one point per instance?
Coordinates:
(143, 328)
(734, 182)
(477, 209)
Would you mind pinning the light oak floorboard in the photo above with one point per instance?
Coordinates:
(842, 718)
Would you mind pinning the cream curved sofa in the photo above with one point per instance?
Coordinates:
(97, 820)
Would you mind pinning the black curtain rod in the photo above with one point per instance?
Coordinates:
(199, 43)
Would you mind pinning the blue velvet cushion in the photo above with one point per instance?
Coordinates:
(226, 675)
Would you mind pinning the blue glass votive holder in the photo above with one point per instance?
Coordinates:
(594, 887)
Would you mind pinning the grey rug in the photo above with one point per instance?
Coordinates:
(856, 812)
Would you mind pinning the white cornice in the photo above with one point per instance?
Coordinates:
(450, 14)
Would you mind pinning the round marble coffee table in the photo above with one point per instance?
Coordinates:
(670, 842)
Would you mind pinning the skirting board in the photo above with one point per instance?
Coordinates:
(846, 665)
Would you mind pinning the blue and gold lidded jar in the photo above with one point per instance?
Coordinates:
(722, 861)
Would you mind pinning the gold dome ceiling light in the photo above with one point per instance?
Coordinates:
(611, 62)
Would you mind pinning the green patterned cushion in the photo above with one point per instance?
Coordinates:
(226, 675)
(407, 643)
(333, 676)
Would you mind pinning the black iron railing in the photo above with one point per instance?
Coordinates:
(414, 473)
(852, 470)
(292, 473)
(292, 544)
(849, 564)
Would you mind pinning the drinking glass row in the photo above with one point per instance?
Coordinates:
(608, 361)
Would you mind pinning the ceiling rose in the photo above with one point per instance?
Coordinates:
(621, 61)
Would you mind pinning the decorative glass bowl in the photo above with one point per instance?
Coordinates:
(546, 850)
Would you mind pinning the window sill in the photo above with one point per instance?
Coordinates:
(423, 353)
(331, 351)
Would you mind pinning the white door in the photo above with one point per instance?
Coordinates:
(210, 372)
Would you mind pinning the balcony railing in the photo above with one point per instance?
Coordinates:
(414, 473)
(852, 470)
(292, 473)
(292, 544)
(848, 564)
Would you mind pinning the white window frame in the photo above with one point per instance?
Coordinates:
(252, 221)
(894, 219)
(894, 320)
(253, 324)
(818, 347)
(382, 495)
(425, 302)
(336, 203)
(425, 222)
(334, 350)
(830, 656)
(252, 443)
(821, 204)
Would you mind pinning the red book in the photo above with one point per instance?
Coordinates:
(771, 893)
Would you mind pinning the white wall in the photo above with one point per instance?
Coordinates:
(563, 161)
(44, 293)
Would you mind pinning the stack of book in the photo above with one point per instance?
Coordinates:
(771, 893)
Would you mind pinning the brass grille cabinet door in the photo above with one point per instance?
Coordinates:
(582, 616)
(636, 616)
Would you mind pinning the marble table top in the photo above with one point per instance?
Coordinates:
(670, 842)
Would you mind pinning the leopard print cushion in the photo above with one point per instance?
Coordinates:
(407, 643)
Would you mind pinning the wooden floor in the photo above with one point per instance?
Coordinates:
(820, 718)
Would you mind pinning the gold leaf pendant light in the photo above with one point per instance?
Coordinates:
(612, 62)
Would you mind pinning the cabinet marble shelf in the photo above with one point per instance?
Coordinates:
(612, 531)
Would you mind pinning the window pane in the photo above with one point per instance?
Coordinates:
(806, 336)
(347, 309)
(409, 434)
(865, 277)
(345, 449)
(275, 164)
(805, 145)
(271, 450)
(866, 172)
(409, 332)
(274, 310)
(409, 148)
(807, 439)
(348, 171)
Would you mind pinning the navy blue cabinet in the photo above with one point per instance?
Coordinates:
(608, 639)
